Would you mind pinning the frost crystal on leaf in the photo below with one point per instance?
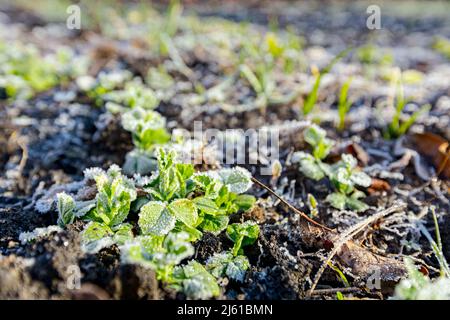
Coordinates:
(197, 283)
(225, 264)
(154, 218)
(66, 207)
(237, 179)
(38, 233)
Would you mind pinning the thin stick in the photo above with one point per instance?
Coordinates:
(348, 235)
(301, 213)
(335, 290)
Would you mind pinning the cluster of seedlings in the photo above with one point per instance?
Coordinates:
(156, 207)
(174, 206)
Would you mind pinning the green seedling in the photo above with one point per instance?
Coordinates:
(174, 206)
(242, 234)
(106, 213)
(312, 165)
(344, 104)
(442, 45)
(370, 55)
(397, 127)
(225, 264)
(343, 175)
(195, 281)
(148, 131)
(419, 286)
(24, 71)
(311, 99)
(161, 254)
(345, 178)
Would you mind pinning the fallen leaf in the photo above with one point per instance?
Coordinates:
(436, 149)
(378, 185)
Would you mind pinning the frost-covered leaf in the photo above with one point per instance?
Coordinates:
(361, 179)
(114, 197)
(242, 234)
(139, 162)
(214, 224)
(226, 265)
(154, 218)
(184, 210)
(38, 233)
(349, 161)
(314, 134)
(122, 233)
(66, 207)
(95, 237)
(245, 201)
(206, 205)
(196, 282)
(342, 181)
(355, 204)
(158, 253)
(84, 207)
(147, 127)
(337, 200)
(177, 247)
(237, 179)
(311, 169)
(316, 138)
(419, 287)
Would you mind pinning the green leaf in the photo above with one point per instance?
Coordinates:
(206, 205)
(66, 207)
(337, 200)
(122, 233)
(196, 282)
(314, 135)
(237, 179)
(154, 218)
(95, 237)
(245, 201)
(355, 204)
(226, 265)
(242, 234)
(184, 210)
(214, 224)
(311, 169)
(140, 162)
(361, 179)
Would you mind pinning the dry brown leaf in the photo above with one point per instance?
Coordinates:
(436, 149)
(378, 185)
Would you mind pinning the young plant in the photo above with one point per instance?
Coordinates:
(344, 104)
(397, 127)
(174, 206)
(134, 95)
(195, 281)
(24, 71)
(442, 45)
(345, 178)
(106, 213)
(419, 287)
(312, 165)
(159, 253)
(311, 99)
(225, 264)
(148, 130)
(242, 234)
(209, 212)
